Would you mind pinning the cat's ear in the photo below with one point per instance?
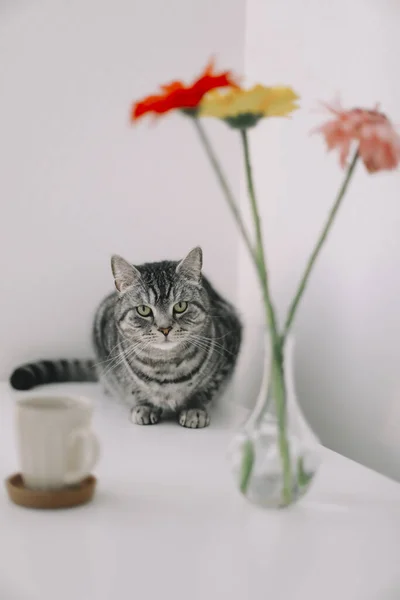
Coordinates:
(190, 267)
(125, 274)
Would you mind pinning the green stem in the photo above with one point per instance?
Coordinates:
(277, 376)
(260, 252)
(320, 242)
(225, 186)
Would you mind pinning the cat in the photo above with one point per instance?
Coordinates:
(165, 341)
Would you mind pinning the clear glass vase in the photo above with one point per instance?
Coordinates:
(271, 469)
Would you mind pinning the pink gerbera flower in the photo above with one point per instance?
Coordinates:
(378, 142)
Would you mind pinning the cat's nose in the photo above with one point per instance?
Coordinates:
(165, 330)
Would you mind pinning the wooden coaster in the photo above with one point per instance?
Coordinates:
(49, 499)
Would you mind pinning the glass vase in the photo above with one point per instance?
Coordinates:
(275, 460)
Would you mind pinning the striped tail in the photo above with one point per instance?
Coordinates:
(31, 375)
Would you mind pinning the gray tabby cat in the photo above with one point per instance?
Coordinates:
(165, 341)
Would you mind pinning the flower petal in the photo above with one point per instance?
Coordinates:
(259, 101)
(378, 142)
(177, 96)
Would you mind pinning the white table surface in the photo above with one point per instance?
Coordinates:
(167, 522)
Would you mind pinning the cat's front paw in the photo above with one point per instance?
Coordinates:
(194, 418)
(145, 415)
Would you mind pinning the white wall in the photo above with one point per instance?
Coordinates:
(77, 183)
(348, 326)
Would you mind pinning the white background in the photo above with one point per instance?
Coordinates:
(77, 183)
(348, 326)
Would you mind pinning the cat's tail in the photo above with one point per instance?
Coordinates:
(41, 372)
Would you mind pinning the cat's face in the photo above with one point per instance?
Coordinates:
(163, 324)
(162, 305)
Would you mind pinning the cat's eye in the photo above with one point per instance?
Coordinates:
(144, 311)
(180, 307)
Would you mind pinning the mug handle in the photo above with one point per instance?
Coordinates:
(91, 453)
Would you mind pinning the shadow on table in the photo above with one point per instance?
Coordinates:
(387, 593)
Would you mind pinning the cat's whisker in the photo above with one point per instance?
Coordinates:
(206, 346)
(120, 358)
(214, 339)
(218, 347)
(110, 357)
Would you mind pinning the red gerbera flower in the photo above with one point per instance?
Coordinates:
(176, 95)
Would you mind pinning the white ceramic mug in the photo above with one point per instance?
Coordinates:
(56, 445)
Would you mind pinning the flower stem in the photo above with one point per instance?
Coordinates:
(260, 252)
(277, 376)
(225, 186)
(320, 242)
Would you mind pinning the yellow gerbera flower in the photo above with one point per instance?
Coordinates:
(244, 108)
